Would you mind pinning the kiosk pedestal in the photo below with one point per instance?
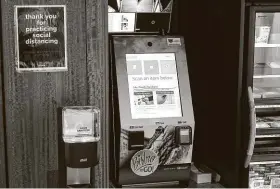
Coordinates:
(152, 109)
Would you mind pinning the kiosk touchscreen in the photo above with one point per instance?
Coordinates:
(155, 123)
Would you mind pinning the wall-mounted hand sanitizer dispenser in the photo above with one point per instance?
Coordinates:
(81, 134)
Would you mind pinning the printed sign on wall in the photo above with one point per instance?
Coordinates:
(41, 38)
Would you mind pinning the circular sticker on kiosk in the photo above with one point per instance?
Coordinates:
(144, 162)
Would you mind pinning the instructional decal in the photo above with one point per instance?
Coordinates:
(82, 129)
(41, 38)
(144, 162)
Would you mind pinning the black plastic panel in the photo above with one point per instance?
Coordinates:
(152, 22)
(81, 155)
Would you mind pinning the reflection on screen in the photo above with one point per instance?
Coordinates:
(153, 85)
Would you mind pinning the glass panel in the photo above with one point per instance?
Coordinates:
(267, 55)
(81, 124)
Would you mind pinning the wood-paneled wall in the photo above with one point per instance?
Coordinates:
(2, 144)
(98, 78)
(32, 99)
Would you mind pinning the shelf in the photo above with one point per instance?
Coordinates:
(266, 70)
(268, 132)
(267, 106)
(265, 159)
(266, 45)
(265, 76)
(268, 136)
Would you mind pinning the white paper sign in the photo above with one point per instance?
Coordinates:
(121, 22)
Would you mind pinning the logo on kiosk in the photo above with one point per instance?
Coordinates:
(173, 41)
(144, 162)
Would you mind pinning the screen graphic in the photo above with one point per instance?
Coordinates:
(153, 85)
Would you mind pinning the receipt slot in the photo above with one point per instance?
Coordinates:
(81, 134)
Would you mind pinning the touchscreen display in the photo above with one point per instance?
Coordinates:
(153, 85)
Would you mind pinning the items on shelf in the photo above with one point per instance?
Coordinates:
(268, 122)
(264, 175)
(262, 34)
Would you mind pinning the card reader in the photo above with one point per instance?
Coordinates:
(183, 135)
(135, 140)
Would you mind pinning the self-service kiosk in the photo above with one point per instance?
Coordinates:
(153, 123)
(153, 120)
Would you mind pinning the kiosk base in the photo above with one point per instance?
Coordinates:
(173, 184)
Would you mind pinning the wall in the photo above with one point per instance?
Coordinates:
(2, 144)
(32, 99)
